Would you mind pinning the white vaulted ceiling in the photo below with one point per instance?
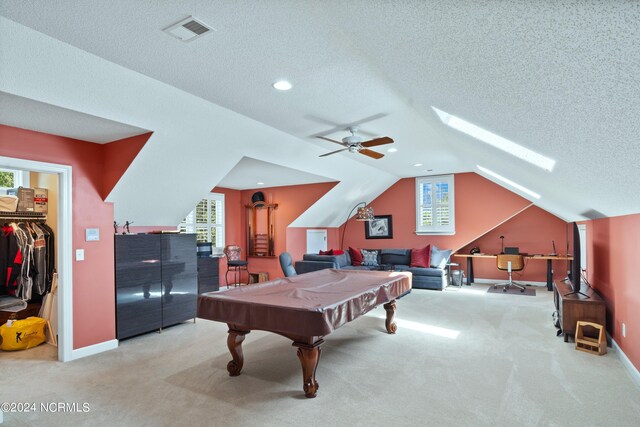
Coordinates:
(560, 78)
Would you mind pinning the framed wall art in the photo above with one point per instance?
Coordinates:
(380, 227)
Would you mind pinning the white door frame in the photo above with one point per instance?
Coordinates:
(64, 247)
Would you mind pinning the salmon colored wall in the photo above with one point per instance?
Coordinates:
(480, 205)
(118, 155)
(93, 279)
(292, 202)
(612, 246)
(532, 231)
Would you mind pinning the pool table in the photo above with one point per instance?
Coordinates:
(303, 308)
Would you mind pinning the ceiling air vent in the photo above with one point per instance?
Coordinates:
(188, 29)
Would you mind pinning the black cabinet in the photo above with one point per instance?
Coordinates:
(179, 278)
(208, 274)
(156, 281)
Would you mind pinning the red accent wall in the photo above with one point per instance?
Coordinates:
(532, 231)
(93, 279)
(292, 202)
(118, 156)
(612, 245)
(480, 207)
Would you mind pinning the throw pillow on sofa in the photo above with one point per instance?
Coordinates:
(356, 256)
(439, 257)
(369, 258)
(329, 252)
(421, 257)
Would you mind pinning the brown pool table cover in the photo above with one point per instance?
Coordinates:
(311, 304)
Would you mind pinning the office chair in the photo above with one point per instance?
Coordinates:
(286, 263)
(509, 262)
(235, 265)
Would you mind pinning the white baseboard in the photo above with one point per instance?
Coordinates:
(492, 281)
(633, 371)
(94, 349)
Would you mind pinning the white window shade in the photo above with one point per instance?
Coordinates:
(435, 205)
(207, 221)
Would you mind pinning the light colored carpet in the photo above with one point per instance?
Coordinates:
(512, 290)
(461, 357)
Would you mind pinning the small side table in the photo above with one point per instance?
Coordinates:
(258, 277)
(456, 274)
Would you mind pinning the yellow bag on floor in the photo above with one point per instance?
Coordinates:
(22, 334)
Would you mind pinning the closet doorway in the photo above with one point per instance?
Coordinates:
(64, 246)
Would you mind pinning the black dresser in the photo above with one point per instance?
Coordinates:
(156, 281)
(208, 274)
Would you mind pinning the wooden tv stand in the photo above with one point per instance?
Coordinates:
(572, 308)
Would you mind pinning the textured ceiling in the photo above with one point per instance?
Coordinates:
(30, 114)
(561, 78)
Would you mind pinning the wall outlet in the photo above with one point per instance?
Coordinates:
(624, 330)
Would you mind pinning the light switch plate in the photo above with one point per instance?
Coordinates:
(79, 254)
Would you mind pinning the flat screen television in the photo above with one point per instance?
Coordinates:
(575, 276)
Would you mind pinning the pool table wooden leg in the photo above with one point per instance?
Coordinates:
(391, 311)
(234, 342)
(309, 356)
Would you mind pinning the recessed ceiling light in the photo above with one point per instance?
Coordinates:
(392, 150)
(260, 183)
(282, 85)
(417, 164)
(509, 182)
(496, 141)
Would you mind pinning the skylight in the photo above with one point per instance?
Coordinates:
(509, 182)
(496, 140)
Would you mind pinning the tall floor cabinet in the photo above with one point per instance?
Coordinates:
(156, 281)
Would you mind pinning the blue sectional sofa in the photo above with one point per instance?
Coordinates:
(435, 277)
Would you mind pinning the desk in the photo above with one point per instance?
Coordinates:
(303, 308)
(548, 258)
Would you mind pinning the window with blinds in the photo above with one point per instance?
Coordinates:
(207, 221)
(435, 205)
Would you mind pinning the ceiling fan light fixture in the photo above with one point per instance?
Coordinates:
(392, 150)
(417, 165)
(282, 85)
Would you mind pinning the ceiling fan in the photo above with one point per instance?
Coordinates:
(355, 144)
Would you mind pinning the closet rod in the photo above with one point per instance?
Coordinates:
(23, 215)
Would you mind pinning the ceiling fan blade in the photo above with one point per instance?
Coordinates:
(377, 141)
(330, 140)
(333, 152)
(371, 153)
(337, 127)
